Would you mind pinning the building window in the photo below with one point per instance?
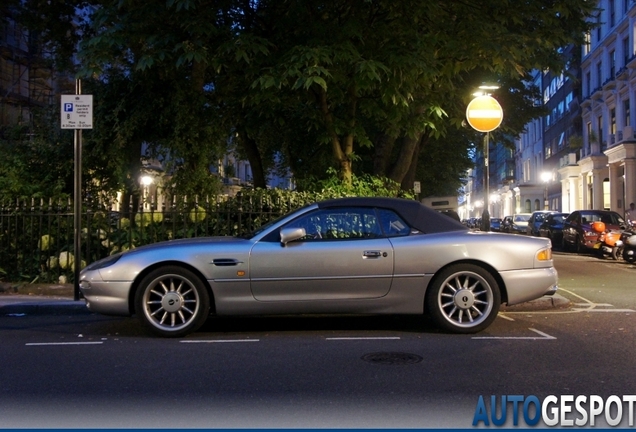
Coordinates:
(599, 74)
(598, 27)
(612, 13)
(626, 53)
(626, 113)
(612, 60)
(590, 134)
(599, 127)
(587, 44)
(613, 121)
(588, 83)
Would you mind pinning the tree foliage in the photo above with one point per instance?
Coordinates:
(377, 87)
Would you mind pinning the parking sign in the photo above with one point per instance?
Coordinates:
(77, 112)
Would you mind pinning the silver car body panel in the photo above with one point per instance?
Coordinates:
(381, 275)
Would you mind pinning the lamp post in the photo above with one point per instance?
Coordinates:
(546, 177)
(485, 114)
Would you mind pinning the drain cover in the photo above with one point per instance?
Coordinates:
(391, 358)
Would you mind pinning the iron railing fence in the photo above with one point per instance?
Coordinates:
(37, 235)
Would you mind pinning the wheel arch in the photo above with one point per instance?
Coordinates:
(487, 267)
(135, 285)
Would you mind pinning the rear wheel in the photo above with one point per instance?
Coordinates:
(617, 252)
(464, 298)
(172, 301)
(629, 254)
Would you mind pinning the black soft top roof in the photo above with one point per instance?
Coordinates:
(417, 215)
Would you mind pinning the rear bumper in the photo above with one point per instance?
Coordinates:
(526, 285)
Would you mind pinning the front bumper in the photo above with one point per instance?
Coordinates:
(108, 298)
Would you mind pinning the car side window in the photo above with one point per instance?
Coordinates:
(338, 224)
(392, 224)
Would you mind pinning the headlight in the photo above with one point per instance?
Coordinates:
(103, 263)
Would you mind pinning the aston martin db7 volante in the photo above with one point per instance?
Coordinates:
(343, 256)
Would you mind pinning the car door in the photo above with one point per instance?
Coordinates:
(344, 255)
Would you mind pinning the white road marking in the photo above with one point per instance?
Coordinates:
(62, 343)
(364, 338)
(501, 315)
(544, 336)
(220, 340)
(603, 310)
(586, 306)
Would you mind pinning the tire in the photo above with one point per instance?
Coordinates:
(577, 244)
(172, 301)
(630, 258)
(565, 247)
(464, 298)
(617, 252)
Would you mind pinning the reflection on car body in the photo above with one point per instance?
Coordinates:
(351, 255)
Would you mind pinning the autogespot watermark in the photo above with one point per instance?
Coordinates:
(563, 410)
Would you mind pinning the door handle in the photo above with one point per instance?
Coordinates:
(372, 254)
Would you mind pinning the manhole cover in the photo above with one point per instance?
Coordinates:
(391, 358)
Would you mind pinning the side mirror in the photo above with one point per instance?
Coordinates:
(290, 234)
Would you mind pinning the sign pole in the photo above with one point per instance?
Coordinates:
(485, 216)
(76, 112)
(77, 201)
(484, 114)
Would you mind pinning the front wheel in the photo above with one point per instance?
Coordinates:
(617, 252)
(172, 301)
(464, 298)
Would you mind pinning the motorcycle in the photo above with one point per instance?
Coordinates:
(609, 242)
(629, 244)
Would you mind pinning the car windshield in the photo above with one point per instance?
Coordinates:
(522, 218)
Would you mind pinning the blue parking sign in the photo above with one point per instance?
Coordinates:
(68, 107)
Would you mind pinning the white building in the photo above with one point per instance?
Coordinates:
(605, 175)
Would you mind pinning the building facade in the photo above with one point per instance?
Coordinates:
(582, 153)
(605, 175)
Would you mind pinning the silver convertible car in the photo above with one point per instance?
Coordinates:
(349, 255)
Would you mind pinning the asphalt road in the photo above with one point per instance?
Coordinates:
(80, 370)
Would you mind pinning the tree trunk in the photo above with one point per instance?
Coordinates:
(250, 149)
(382, 154)
(342, 150)
(409, 178)
(403, 163)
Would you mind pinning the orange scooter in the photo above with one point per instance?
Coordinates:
(609, 242)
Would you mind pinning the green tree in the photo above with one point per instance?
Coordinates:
(317, 83)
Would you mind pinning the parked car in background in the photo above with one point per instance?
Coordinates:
(535, 221)
(495, 224)
(516, 224)
(343, 256)
(578, 234)
(552, 227)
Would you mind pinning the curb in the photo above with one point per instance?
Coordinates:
(18, 305)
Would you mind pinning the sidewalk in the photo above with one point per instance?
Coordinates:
(55, 299)
(39, 299)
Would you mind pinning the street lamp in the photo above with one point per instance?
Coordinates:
(485, 114)
(546, 177)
